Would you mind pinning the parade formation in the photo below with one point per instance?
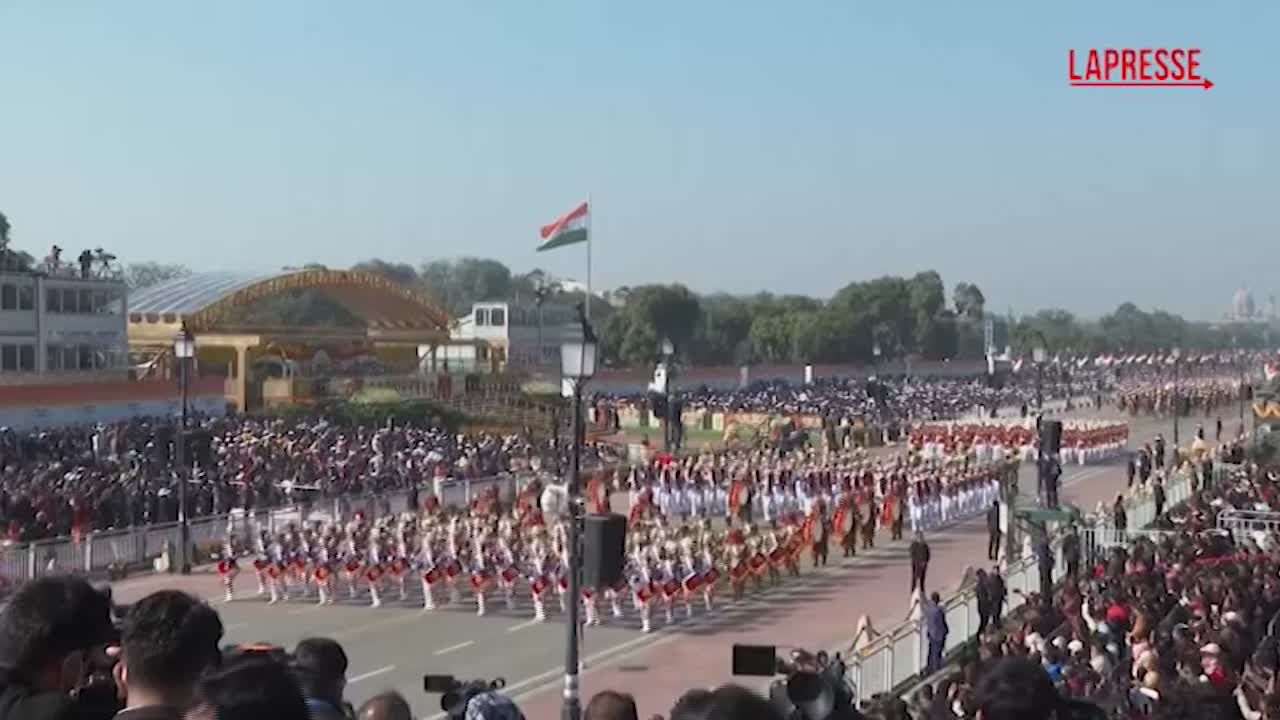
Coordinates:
(698, 526)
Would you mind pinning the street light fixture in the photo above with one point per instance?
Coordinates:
(1039, 354)
(577, 366)
(184, 351)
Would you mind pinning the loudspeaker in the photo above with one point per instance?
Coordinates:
(1051, 436)
(604, 547)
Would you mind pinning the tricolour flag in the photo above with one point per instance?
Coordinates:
(568, 229)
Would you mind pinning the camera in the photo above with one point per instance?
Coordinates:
(456, 694)
(816, 686)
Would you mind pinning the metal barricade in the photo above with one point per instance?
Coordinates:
(1249, 522)
(140, 546)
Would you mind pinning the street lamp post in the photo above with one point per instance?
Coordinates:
(1239, 368)
(1039, 354)
(670, 439)
(1176, 354)
(184, 349)
(577, 365)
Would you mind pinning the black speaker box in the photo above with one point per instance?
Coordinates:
(1051, 435)
(604, 547)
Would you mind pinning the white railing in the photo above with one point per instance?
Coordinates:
(96, 552)
(896, 657)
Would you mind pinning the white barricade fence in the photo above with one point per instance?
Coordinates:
(135, 547)
(898, 656)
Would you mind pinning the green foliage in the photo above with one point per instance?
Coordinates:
(418, 413)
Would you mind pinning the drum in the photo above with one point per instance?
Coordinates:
(509, 575)
(431, 576)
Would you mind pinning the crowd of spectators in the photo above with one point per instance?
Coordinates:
(68, 653)
(1176, 623)
(65, 481)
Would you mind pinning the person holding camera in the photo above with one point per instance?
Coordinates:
(54, 636)
(168, 640)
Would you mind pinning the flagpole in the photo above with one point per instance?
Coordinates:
(587, 310)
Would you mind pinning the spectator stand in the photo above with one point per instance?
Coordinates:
(891, 662)
(108, 552)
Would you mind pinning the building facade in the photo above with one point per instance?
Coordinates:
(504, 336)
(61, 328)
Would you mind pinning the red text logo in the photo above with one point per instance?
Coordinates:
(1136, 67)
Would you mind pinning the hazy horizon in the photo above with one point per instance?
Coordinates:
(783, 148)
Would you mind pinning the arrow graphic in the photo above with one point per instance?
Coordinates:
(1205, 83)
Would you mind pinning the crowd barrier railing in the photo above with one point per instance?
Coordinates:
(95, 553)
(893, 659)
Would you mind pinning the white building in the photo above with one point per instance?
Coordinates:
(61, 328)
(510, 336)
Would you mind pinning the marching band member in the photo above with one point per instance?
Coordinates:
(539, 581)
(228, 568)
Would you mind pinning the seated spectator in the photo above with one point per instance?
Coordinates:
(610, 705)
(387, 706)
(255, 688)
(168, 640)
(52, 632)
(320, 665)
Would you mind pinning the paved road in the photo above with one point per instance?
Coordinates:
(393, 646)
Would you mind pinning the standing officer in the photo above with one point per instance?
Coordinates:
(993, 531)
(919, 561)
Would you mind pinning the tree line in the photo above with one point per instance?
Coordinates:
(901, 316)
(896, 316)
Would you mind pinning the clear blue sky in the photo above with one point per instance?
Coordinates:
(793, 146)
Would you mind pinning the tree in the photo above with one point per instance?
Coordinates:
(969, 301)
(402, 273)
(145, 274)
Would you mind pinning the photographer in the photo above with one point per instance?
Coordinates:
(320, 665)
(168, 640)
(54, 633)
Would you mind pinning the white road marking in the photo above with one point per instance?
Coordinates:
(451, 648)
(371, 673)
(521, 626)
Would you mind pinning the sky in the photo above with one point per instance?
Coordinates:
(737, 146)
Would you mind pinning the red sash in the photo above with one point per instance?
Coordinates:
(779, 556)
(670, 588)
(758, 563)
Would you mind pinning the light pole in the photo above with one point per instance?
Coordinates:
(1039, 354)
(184, 349)
(577, 365)
(1176, 353)
(670, 440)
(1235, 343)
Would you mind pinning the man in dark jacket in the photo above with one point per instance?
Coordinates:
(993, 531)
(919, 562)
(321, 669)
(982, 593)
(168, 641)
(935, 627)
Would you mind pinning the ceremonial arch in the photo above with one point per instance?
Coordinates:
(390, 320)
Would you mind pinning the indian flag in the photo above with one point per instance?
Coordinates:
(568, 229)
